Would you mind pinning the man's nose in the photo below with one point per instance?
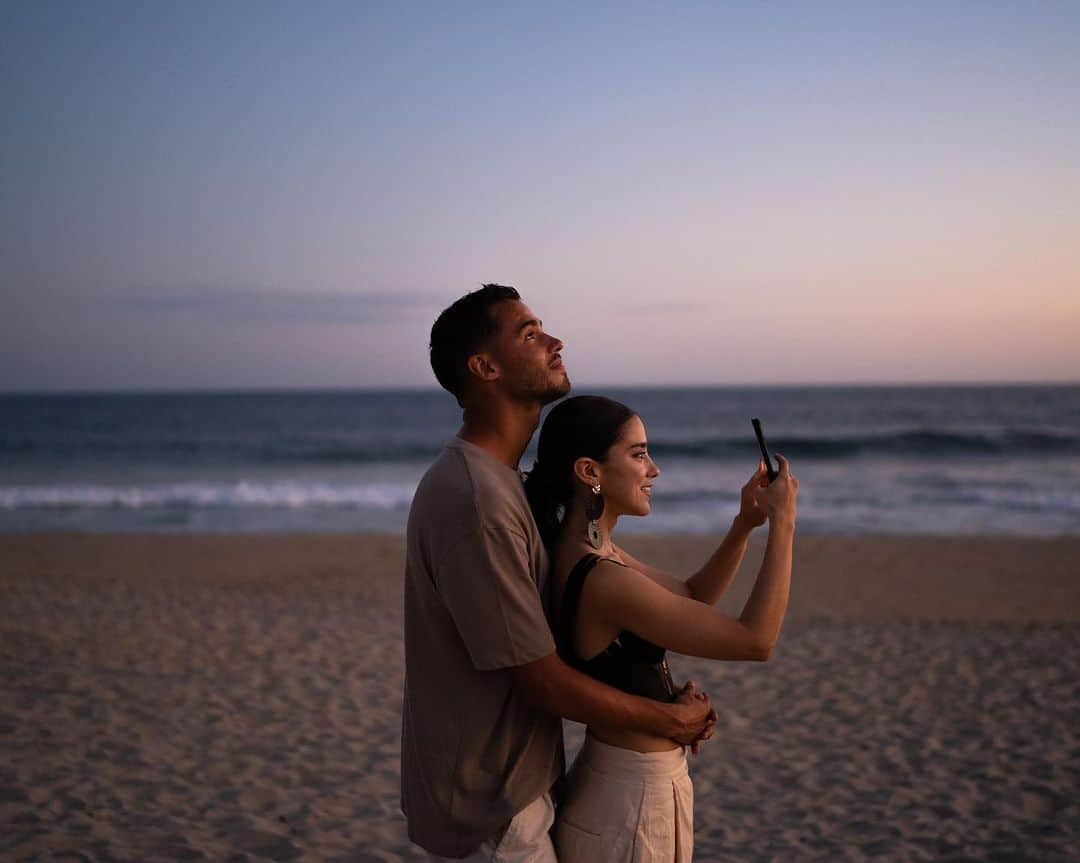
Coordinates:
(557, 343)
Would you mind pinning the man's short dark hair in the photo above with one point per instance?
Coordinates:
(462, 330)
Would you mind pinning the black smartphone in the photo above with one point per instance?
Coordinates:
(764, 449)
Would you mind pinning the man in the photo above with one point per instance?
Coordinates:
(484, 688)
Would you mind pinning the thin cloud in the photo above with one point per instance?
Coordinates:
(285, 307)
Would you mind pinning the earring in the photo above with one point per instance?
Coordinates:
(594, 508)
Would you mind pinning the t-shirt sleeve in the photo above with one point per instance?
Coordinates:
(488, 587)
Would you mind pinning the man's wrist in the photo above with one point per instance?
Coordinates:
(673, 724)
(663, 720)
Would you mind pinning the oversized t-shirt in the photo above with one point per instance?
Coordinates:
(473, 752)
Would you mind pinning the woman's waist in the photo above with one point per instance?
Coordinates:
(632, 755)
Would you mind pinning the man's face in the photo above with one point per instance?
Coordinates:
(529, 361)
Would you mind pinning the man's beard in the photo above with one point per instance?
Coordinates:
(544, 389)
(560, 389)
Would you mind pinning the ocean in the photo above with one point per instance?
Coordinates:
(888, 459)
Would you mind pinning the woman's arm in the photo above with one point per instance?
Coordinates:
(627, 599)
(711, 582)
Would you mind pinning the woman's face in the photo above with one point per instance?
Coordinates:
(628, 474)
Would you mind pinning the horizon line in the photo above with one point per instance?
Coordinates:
(425, 388)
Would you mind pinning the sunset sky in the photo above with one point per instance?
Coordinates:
(282, 195)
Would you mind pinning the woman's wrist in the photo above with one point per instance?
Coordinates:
(782, 523)
(741, 527)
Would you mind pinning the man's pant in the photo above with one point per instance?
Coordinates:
(526, 840)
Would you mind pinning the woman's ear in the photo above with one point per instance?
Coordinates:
(482, 367)
(587, 471)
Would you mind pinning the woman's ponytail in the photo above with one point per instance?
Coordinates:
(547, 500)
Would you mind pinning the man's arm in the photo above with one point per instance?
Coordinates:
(493, 600)
(550, 685)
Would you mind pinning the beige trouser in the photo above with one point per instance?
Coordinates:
(525, 840)
(624, 806)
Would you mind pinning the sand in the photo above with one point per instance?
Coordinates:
(238, 698)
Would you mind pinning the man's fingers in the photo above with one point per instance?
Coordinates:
(785, 468)
(706, 733)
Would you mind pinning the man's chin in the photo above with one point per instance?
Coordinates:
(560, 389)
(554, 387)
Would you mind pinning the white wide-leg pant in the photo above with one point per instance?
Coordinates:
(623, 806)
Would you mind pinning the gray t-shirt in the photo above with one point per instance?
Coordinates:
(473, 752)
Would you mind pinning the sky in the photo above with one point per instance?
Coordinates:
(281, 195)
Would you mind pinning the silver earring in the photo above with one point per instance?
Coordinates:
(594, 508)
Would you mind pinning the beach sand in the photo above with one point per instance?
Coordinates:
(238, 698)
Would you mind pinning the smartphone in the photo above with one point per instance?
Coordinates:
(764, 449)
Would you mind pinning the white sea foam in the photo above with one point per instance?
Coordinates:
(291, 494)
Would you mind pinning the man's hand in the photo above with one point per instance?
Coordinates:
(710, 727)
(694, 719)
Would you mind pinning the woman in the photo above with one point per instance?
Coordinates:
(628, 794)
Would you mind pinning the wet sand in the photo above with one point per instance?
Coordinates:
(238, 698)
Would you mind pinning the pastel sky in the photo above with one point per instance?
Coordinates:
(233, 194)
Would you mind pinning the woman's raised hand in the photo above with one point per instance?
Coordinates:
(777, 499)
(750, 514)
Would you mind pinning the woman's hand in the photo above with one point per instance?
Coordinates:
(750, 514)
(777, 499)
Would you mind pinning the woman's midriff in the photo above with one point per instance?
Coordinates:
(636, 740)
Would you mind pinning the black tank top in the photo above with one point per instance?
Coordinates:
(629, 663)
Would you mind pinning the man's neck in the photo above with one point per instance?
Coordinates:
(502, 430)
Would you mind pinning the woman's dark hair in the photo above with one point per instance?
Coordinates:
(580, 427)
(463, 329)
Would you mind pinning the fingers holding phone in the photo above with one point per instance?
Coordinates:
(749, 511)
(778, 499)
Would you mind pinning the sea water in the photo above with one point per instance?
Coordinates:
(927, 460)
